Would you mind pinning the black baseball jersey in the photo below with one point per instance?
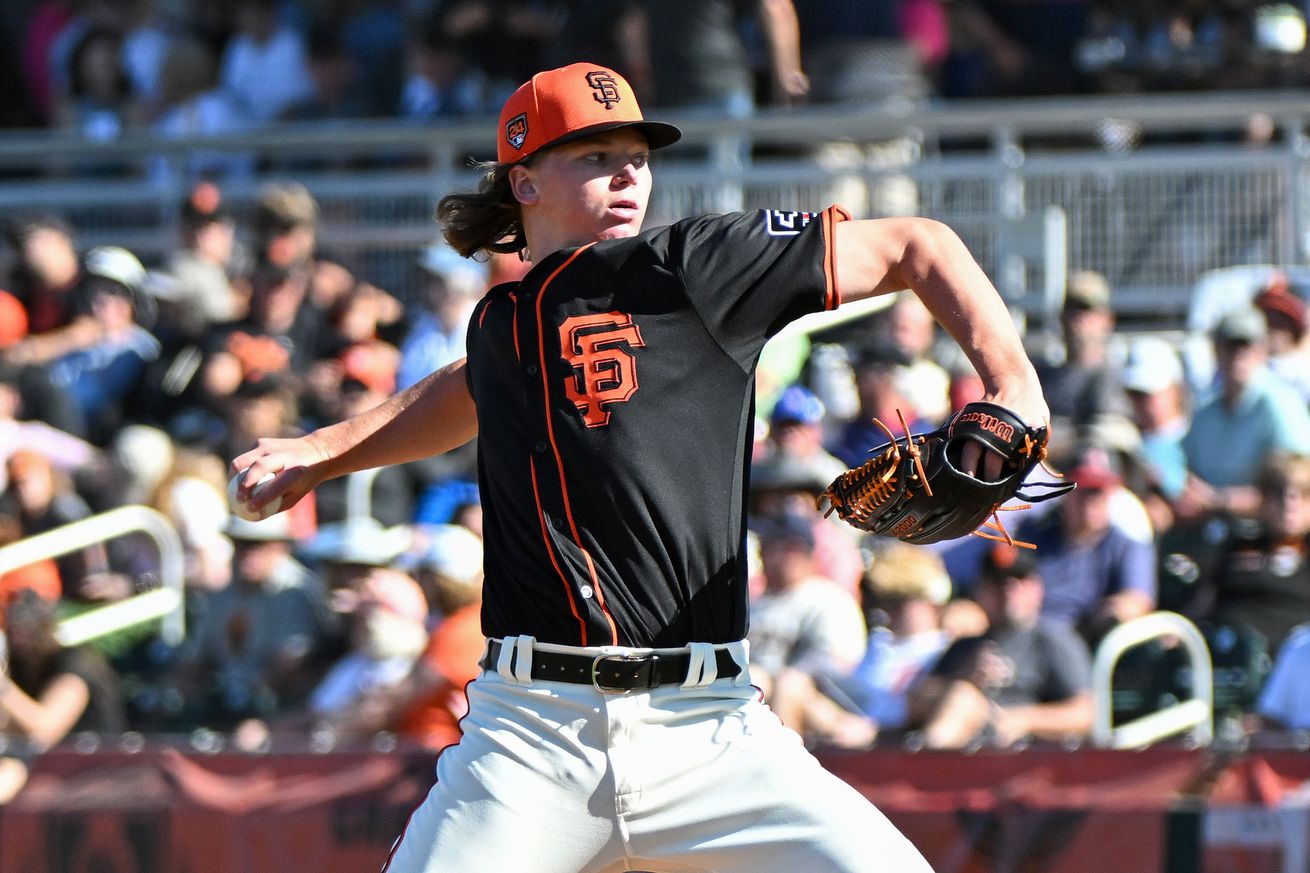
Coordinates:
(615, 398)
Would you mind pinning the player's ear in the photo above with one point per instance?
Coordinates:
(523, 185)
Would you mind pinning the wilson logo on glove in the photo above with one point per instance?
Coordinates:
(913, 488)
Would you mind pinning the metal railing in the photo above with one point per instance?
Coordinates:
(164, 602)
(1153, 190)
(1195, 715)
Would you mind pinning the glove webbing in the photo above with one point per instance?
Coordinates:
(874, 482)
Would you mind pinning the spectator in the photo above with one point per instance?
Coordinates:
(192, 106)
(372, 37)
(433, 701)
(1011, 48)
(198, 280)
(1153, 378)
(42, 500)
(796, 430)
(1096, 575)
(880, 374)
(1285, 322)
(47, 690)
(45, 271)
(909, 327)
(267, 405)
(440, 81)
(339, 92)
(699, 62)
(505, 37)
(280, 309)
(76, 325)
(792, 474)
(257, 403)
(387, 633)
(40, 576)
(790, 484)
(904, 593)
(1025, 677)
(45, 23)
(450, 286)
(347, 552)
(1261, 579)
(1084, 388)
(802, 620)
(1251, 414)
(66, 453)
(390, 494)
(265, 66)
(149, 35)
(100, 102)
(253, 651)
(859, 51)
(1284, 702)
(104, 377)
(427, 700)
(285, 225)
(192, 495)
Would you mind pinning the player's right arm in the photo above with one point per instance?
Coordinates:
(435, 415)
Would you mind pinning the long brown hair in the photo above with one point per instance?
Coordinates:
(487, 219)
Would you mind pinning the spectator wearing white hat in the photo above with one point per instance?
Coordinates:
(427, 705)
(1153, 378)
(104, 374)
(65, 321)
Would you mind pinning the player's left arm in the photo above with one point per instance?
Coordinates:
(879, 256)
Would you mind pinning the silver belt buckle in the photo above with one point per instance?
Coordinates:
(626, 659)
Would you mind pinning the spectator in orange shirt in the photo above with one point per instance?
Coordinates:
(451, 572)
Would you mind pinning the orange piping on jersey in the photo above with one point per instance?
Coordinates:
(482, 316)
(831, 216)
(545, 538)
(559, 460)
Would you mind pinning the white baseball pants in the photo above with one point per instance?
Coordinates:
(552, 777)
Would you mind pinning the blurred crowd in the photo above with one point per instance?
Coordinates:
(121, 385)
(356, 614)
(183, 68)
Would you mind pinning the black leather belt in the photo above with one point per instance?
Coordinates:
(614, 674)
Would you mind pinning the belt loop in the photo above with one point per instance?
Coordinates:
(740, 651)
(506, 659)
(523, 659)
(702, 669)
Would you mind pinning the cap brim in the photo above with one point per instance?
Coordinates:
(658, 134)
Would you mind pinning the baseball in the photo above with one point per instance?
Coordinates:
(245, 510)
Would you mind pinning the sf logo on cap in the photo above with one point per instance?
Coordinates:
(516, 130)
(607, 90)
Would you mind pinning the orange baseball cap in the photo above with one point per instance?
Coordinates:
(570, 103)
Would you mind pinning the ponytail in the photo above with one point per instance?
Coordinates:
(488, 219)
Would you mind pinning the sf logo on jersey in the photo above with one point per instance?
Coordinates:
(598, 347)
(607, 90)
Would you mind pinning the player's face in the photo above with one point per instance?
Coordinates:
(594, 189)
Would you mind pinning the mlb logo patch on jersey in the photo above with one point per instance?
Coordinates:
(782, 222)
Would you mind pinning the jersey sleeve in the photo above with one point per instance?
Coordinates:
(748, 274)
